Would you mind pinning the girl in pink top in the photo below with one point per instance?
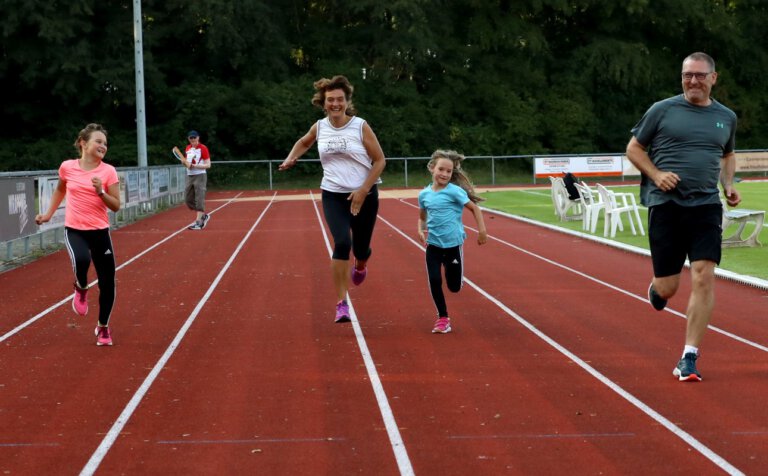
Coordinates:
(91, 186)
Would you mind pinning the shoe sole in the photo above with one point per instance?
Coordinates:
(688, 378)
(342, 319)
(438, 331)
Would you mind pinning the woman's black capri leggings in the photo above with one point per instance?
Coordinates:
(338, 216)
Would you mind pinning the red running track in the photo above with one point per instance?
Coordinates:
(226, 359)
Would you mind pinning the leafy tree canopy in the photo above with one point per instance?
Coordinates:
(485, 77)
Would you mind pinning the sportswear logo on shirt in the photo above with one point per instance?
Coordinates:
(720, 125)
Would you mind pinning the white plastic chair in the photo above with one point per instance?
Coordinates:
(554, 192)
(740, 218)
(592, 203)
(617, 203)
(565, 208)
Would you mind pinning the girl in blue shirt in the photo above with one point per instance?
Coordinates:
(441, 205)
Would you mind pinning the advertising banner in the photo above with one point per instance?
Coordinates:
(131, 188)
(45, 188)
(17, 208)
(158, 182)
(143, 185)
(580, 166)
(751, 161)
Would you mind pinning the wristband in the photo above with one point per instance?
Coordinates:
(101, 192)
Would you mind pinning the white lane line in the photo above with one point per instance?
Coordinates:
(624, 291)
(718, 460)
(109, 439)
(719, 272)
(67, 299)
(398, 447)
(715, 329)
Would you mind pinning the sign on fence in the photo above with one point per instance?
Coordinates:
(45, 188)
(751, 161)
(158, 182)
(582, 166)
(17, 208)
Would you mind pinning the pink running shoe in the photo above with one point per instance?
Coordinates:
(442, 326)
(358, 276)
(80, 301)
(342, 311)
(103, 335)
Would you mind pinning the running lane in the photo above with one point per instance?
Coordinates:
(492, 397)
(61, 392)
(264, 382)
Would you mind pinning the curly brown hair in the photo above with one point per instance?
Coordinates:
(324, 85)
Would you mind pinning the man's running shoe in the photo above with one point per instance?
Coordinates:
(686, 369)
(195, 226)
(442, 326)
(80, 300)
(658, 302)
(204, 220)
(358, 275)
(342, 311)
(103, 336)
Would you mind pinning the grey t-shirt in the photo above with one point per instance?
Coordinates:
(690, 141)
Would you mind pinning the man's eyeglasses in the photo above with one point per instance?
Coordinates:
(698, 76)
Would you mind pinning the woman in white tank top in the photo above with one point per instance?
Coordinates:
(352, 161)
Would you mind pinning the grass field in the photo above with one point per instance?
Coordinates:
(536, 204)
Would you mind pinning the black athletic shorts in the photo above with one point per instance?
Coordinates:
(676, 233)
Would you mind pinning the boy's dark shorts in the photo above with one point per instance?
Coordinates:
(676, 232)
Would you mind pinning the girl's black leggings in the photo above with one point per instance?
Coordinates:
(85, 246)
(451, 260)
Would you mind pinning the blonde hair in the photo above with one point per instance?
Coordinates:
(458, 177)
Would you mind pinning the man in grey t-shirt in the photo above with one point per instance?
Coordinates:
(682, 146)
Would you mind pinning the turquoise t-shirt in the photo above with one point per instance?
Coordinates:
(688, 140)
(444, 210)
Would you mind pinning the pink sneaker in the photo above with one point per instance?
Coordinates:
(358, 276)
(80, 301)
(442, 326)
(103, 335)
(342, 311)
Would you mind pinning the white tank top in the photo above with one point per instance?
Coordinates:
(345, 161)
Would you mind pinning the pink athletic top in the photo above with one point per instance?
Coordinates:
(85, 209)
